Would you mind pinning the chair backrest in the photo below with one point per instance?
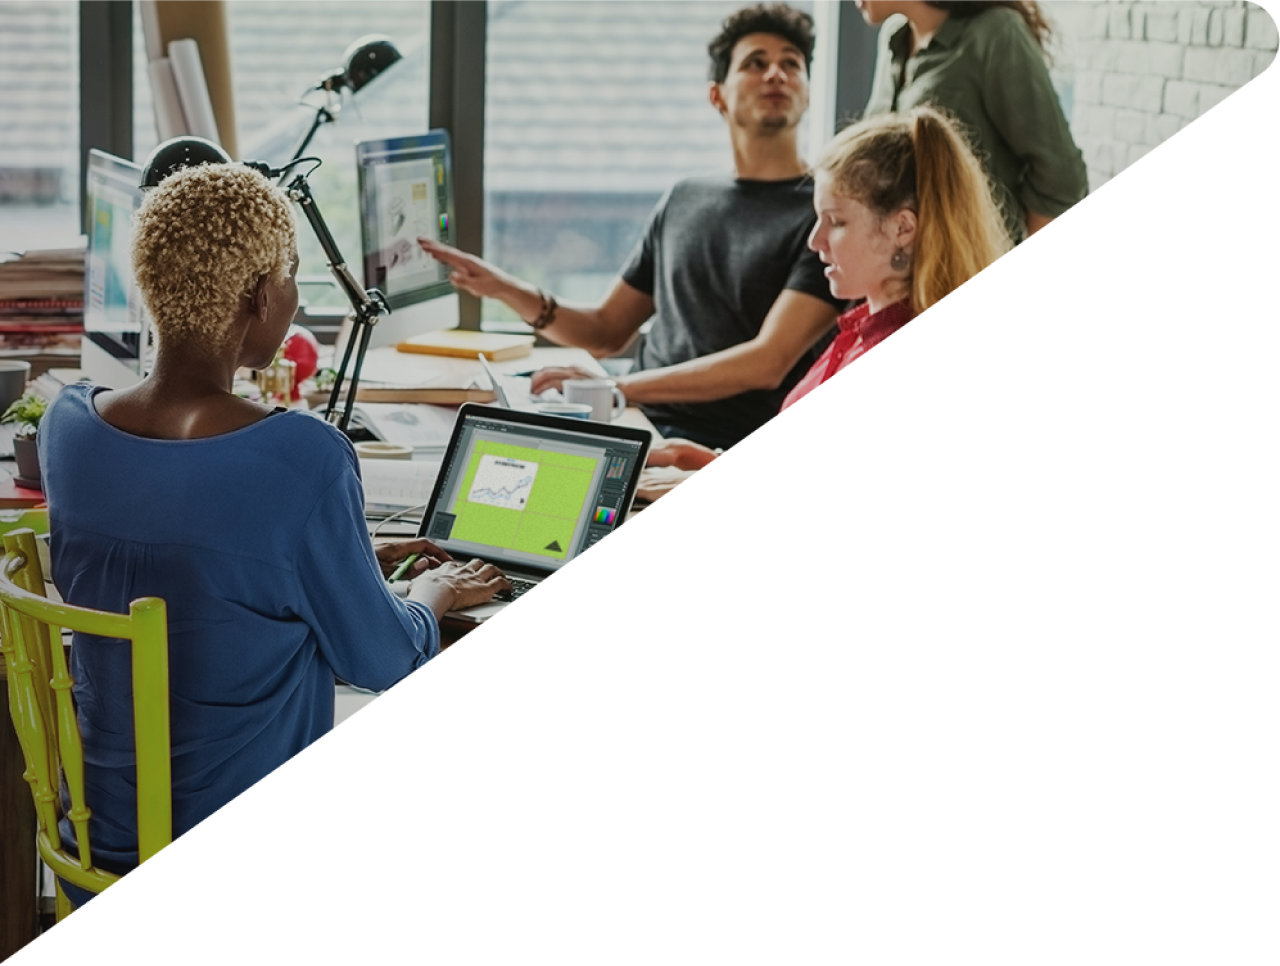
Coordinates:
(44, 713)
(36, 518)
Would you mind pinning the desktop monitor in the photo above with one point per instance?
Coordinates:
(406, 190)
(113, 350)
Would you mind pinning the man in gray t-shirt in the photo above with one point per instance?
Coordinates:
(739, 302)
(716, 256)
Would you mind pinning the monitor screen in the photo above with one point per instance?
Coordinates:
(406, 190)
(115, 321)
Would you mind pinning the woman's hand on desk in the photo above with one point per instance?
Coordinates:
(658, 481)
(683, 454)
(454, 585)
(670, 463)
(391, 553)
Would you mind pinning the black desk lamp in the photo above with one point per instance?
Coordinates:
(366, 306)
(363, 61)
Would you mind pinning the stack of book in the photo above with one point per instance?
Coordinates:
(42, 304)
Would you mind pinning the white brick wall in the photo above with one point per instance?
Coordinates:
(1141, 71)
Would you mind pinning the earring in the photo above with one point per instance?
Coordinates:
(900, 261)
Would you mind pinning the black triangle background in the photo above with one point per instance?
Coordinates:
(680, 709)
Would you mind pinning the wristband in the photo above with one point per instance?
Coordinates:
(548, 313)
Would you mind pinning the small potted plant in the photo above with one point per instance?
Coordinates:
(24, 413)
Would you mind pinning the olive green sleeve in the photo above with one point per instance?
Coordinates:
(1023, 107)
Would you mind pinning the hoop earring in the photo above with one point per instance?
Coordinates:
(900, 261)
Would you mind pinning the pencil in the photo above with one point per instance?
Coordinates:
(403, 569)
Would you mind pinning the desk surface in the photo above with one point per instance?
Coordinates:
(13, 496)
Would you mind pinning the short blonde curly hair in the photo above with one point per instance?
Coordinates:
(201, 240)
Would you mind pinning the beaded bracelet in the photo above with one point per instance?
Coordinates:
(548, 313)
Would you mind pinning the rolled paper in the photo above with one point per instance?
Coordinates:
(170, 121)
(188, 74)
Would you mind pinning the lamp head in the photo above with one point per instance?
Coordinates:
(180, 152)
(364, 60)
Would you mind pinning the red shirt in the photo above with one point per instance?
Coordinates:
(859, 332)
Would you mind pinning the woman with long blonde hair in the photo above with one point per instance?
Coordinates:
(905, 217)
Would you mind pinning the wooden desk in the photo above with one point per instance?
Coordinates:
(13, 496)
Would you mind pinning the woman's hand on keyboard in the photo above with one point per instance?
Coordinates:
(455, 585)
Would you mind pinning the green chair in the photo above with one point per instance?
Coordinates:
(44, 713)
(36, 518)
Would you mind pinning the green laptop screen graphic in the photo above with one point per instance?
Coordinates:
(523, 499)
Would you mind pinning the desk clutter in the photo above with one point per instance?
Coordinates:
(390, 375)
(390, 411)
(42, 304)
(392, 487)
(423, 430)
(469, 344)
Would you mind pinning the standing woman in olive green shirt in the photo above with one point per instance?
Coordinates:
(985, 64)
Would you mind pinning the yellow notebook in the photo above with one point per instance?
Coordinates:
(470, 344)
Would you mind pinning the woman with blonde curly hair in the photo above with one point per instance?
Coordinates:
(905, 216)
(247, 521)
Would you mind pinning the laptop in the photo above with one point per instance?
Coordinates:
(529, 492)
(510, 392)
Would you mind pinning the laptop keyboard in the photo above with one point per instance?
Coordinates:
(518, 589)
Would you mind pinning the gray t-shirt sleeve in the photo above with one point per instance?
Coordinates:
(639, 270)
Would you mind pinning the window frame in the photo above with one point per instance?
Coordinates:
(456, 92)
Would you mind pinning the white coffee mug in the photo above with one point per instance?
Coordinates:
(605, 399)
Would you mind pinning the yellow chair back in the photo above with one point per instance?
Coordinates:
(44, 713)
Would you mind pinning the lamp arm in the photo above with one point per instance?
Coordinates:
(366, 305)
(323, 116)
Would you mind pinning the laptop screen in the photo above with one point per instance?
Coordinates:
(529, 491)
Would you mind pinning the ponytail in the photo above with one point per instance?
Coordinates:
(919, 161)
(959, 227)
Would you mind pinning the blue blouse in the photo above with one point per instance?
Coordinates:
(256, 541)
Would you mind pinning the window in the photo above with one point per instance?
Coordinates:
(280, 50)
(592, 111)
(39, 124)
